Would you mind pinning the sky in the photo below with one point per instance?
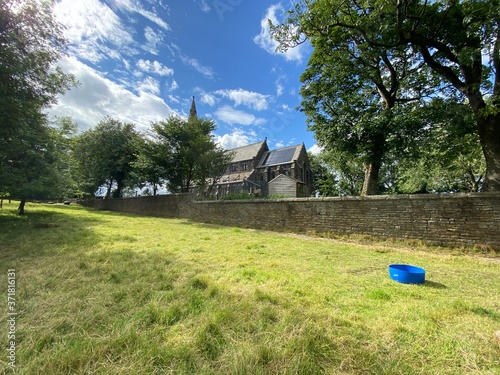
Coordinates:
(142, 61)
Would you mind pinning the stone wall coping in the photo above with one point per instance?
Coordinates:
(425, 197)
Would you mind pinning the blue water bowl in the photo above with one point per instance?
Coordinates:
(406, 274)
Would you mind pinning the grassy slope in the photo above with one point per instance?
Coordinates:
(107, 293)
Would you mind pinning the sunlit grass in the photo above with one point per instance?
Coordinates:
(108, 293)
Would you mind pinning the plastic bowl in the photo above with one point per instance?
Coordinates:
(406, 274)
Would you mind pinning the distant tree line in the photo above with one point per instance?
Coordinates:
(403, 97)
(177, 154)
(42, 158)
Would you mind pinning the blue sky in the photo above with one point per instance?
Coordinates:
(141, 61)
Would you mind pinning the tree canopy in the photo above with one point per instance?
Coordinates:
(186, 152)
(448, 38)
(105, 155)
(30, 45)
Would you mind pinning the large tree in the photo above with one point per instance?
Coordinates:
(449, 157)
(186, 152)
(335, 175)
(45, 164)
(105, 155)
(146, 171)
(458, 40)
(353, 92)
(30, 45)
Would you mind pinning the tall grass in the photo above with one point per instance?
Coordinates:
(108, 293)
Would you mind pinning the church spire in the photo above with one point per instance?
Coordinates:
(192, 112)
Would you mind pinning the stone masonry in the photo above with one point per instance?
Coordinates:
(447, 219)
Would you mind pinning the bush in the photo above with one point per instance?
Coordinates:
(236, 196)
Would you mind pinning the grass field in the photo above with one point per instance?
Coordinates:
(108, 293)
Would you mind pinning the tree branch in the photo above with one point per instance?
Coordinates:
(445, 71)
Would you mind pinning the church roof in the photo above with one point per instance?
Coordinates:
(247, 152)
(280, 156)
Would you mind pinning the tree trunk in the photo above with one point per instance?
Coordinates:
(108, 192)
(489, 135)
(372, 167)
(119, 189)
(21, 206)
(370, 183)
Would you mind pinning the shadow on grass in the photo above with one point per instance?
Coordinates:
(44, 232)
(434, 284)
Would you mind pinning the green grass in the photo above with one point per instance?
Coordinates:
(109, 293)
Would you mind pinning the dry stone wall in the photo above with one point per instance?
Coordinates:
(458, 219)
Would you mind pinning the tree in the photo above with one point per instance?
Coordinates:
(45, 166)
(335, 175)
(451, 37)
(449, 158)
(105, 156)
(351, 89)
(187, 153)
(30, 45)
(145, 169)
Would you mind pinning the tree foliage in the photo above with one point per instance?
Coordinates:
(30, 45)
(146, 172)
(448, 37)
(353, 92)
(105, 155)
(43, 170)
(186, 152)
(449, 157)
(335, 175)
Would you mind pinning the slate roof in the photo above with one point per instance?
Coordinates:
(280, 156)
(247, 152)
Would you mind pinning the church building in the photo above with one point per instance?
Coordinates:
(256, 170)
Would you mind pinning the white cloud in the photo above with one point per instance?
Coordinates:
(275, 13)
(93, 30)
(150, 85)
(195, 64)
(204, 6)
(173, 99)
(135, 6)
(173, 86)
(175, 51)
(237, 138)
(279, 89)
(315, 149)
(209, 99)
(250, 99)
(233, 116)
(153, 39)
(98, 96)
(154, 67)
